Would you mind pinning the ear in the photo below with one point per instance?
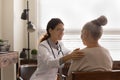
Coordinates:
(86, 34)
(50, 30)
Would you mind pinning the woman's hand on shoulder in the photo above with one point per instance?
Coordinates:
(77, 54)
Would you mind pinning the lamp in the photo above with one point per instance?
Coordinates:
(24, 15)
(30, 26)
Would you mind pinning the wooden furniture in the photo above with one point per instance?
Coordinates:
(66, 68)
(27, 68)
(7, 58)
(8, 62)
(116, 65)
(26, 61)
(113, 75)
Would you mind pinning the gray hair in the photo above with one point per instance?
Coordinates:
(94, 27)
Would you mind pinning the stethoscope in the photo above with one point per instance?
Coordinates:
(59, 49)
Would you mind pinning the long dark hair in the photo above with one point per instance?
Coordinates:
(51, 25)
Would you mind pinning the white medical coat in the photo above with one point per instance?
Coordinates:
(47, 67)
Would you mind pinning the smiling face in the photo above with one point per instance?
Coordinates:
(57, 33)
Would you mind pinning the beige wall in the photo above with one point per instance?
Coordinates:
(7, 21)
(19, 25)
(12, 26)
(0, 19)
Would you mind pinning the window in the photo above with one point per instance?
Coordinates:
(75, 13)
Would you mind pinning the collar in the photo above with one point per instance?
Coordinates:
(52, 44)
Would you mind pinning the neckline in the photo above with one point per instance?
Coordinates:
(52, 44)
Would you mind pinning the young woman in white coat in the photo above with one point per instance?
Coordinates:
(52, 53)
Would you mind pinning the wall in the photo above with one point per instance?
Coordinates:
(19, 26)
(7, 21)
(0, 19)
(7, 34)
(13, 31)
(12, 26)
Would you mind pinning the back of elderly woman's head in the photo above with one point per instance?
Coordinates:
(94, 27)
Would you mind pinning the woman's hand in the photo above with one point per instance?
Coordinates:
(76, 54)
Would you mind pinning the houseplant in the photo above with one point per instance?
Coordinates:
(34, 53)
(1, 42)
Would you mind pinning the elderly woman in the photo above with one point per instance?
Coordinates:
(97, 58)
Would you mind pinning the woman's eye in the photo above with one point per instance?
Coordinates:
(60, 29)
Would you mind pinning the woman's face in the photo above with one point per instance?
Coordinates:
(58, 32)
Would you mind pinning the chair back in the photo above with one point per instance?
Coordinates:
(97, 75)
